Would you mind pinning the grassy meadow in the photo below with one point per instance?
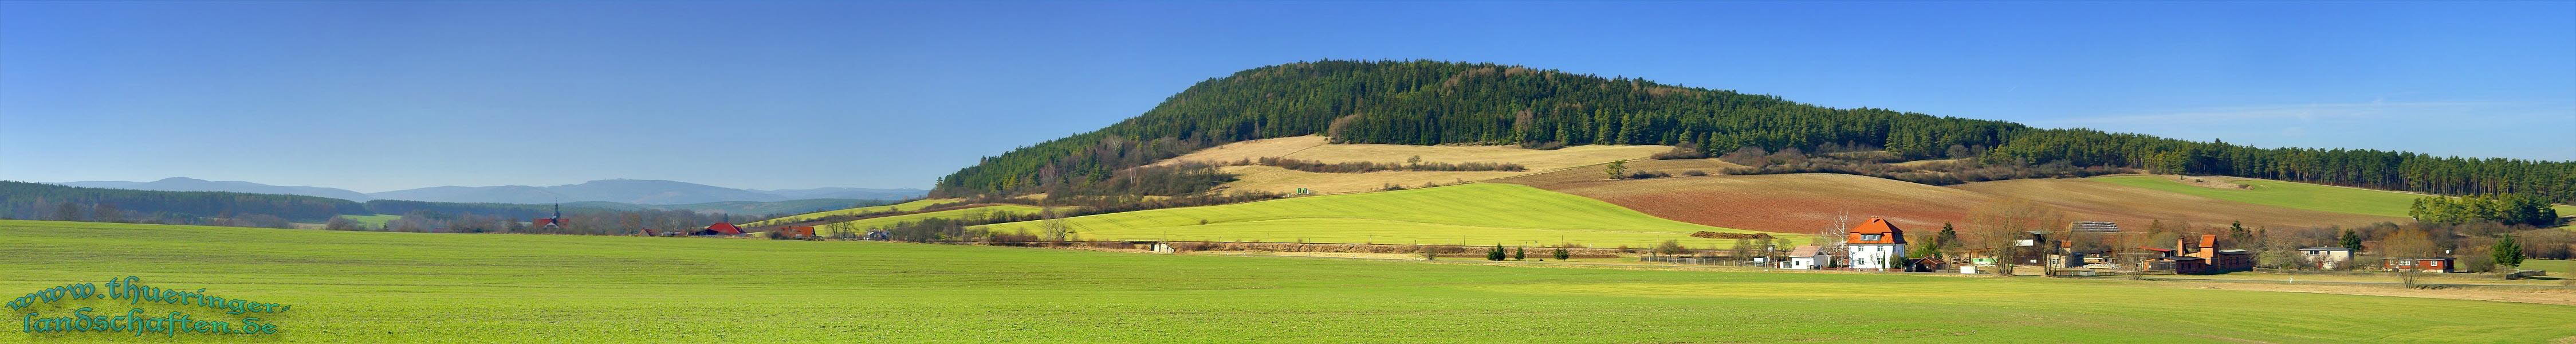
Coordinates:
(1468, 214)
(382, 287)
(905, 206)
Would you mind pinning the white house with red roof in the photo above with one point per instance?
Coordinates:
(1875, 245)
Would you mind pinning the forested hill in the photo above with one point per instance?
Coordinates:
(1432, 102)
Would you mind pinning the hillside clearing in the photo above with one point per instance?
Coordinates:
(1470, 214)
(380, 287)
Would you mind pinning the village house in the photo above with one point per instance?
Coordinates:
(1876, 245)
(2328, 258)
(1806, 257)
(2207, 258)
(2416, 264)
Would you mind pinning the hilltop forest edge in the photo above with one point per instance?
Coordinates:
(1435, 102)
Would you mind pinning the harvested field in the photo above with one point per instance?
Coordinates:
(1273, 179)
(1792, 203)
(1597, 171)
(1281, 180)
(1471, 214)
(1316, 148)
(1805, 203)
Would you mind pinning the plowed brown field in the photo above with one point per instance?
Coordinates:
(1806, 203)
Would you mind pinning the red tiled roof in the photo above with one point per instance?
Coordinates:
(724, 228)
(1888, 232)
(2208, 240)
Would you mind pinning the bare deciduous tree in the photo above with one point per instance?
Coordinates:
(1996, 225)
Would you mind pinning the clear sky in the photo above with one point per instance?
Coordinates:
(380, 95)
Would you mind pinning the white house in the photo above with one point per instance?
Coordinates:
(1876, 245)
(1806, 258)
(2328, 258)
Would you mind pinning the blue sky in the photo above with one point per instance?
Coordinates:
(377, 96)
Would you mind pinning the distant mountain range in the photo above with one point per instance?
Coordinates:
(631, 191)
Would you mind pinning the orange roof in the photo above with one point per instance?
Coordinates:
(2208, 240)
(1888, 234)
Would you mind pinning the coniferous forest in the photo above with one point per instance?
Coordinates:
(1434, 102)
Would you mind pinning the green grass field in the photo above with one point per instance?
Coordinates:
(2294, 195)
(381, 287)
(371, 221)
(905, 206)
(1467, 214)
(2556, 268)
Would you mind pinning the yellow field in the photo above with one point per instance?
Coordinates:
(1471, 214)
(1273, 179)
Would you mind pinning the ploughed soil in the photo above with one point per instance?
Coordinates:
(1807, 203)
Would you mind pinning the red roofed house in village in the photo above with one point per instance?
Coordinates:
(720, 228)
(1876, 245)
(2212, 260)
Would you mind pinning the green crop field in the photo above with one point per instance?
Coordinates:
(2294, 195)
(875, 222)
(379, 287)
(371, 221)
(905, 206)
(1467, 214)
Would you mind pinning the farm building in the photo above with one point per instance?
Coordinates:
(718, 229)
(1806, 258)
(2094, 226)
(2416, 264)
(794, 232)
(1925, 264)
(2197, 258)
(878, 235)
(2329, 258)
(1876, 245)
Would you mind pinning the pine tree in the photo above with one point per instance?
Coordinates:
(1496, 254)
(1561, 254)
(2351, 240)
(1520, 253)
(2507, 252)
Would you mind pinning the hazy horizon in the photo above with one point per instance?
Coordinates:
(375, 97)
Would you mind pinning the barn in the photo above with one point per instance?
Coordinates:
(718, 229)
